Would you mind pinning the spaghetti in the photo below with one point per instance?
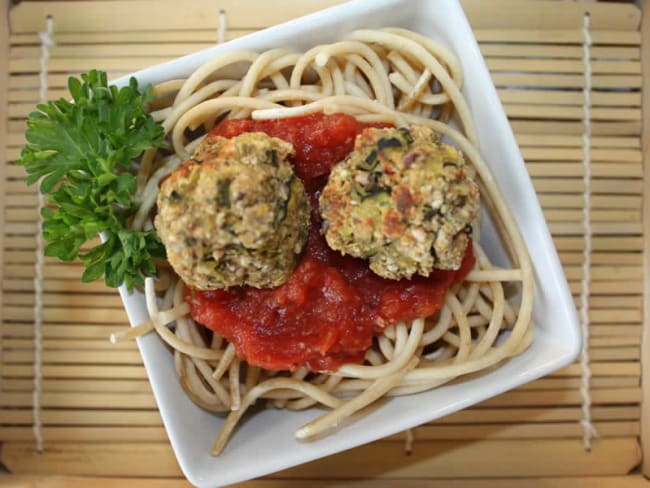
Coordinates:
(380, 76)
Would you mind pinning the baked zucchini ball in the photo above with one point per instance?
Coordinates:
(235, 214)
(402, 199)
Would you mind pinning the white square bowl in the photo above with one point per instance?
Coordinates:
(264, 442)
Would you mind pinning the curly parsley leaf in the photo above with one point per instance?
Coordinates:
(83, 153)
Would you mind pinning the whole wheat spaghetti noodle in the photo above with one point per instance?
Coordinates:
(391, 76)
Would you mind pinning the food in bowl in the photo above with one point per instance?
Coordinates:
(352, 276)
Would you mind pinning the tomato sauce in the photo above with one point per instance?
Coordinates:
(328, 311)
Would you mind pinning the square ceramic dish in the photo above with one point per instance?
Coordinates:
(265, 442)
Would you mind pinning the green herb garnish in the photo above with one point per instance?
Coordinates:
(85, 153)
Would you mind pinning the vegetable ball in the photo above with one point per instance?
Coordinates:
(402, 199)
(235, 214)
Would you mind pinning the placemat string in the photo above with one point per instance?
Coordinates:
(223, 26)
(589, 432)
(46, 44)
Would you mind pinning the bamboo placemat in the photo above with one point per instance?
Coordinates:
(99, 417)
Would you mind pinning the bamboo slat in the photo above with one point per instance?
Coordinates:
(26, 47)
(520, 431)
(645, 339)
(509, 415)
(557, 36)
(604, 258)
(85, 417)
(608, 331)
(598, 128)
(129, 386)
(88, 434)
(425, 433)
(98, 412)
(81, 357)
(177, 36)
(66, 371)
(80, 399)
(543, 51)
(472, 416)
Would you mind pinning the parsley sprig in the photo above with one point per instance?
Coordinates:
(84, 152)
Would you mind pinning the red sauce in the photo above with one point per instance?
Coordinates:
(329, 310)
(320, 140)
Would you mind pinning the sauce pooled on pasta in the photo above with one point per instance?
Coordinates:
(326, 314)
